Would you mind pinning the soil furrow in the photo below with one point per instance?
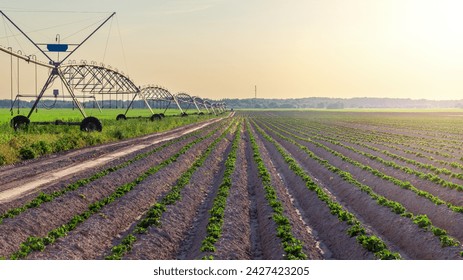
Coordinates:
(38, 221)
(331, 232)
(235, 242)
(90, 239)
(302, 231)
(164, 242)
(412, 242)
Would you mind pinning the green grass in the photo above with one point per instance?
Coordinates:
(75, 115)
(38, 140)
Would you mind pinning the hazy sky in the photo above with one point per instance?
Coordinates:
(289, 49)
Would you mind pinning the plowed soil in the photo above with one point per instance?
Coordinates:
(249, 231)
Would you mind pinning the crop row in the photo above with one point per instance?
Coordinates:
(291, 245)
(39, 243)
(371, 137)
(436, 170)
(217, 212)
(354, 139)
(154, 214)
(384, 138)
(421, 220)
(433, 146)
(426, 176)
(370, 242)
(387, 137)
(349, 136)
(402, 184)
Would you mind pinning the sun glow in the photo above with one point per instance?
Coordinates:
(436, 22)
(329, 48)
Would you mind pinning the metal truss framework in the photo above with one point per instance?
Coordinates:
(88, 123)
(97, 79)
(158, 95)
(185, 98)
(199, 102)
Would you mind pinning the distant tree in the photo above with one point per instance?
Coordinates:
(273, 104)
(287, 105)
(336, 105)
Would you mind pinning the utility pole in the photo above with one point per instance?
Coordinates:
(255, 96)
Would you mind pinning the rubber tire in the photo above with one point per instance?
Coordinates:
(90, 124)
(121, 117)
(19, 122)
(156, 117)
(201, 113)
(162, 115)
(184, 114)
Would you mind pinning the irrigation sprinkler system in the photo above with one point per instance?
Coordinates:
(92, 80)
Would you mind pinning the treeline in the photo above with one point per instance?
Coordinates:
(340, 103)
(309, 102)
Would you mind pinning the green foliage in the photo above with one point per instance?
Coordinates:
(291, 245)
(119, 250)
(2, 160)
(387, 255)
(356, 230)
(371, 243)
(217, 212)
(119, 134)
(447, 241)
(41, 147)
(27, 153)
(422, 221)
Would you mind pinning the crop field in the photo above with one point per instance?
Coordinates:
(391, 182)
(249, 185)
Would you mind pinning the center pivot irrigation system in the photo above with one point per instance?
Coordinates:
(92, 80)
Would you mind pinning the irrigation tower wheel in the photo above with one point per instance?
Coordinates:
(162, 115)
(19, 122)
(156, 117)
(121, 117)
(91, 124)
(184, 114)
